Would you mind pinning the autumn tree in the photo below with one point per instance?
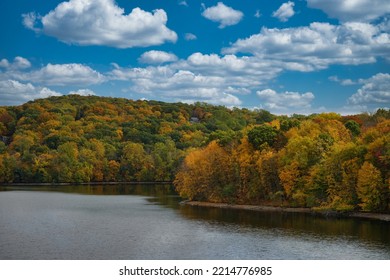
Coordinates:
(342, 168)
(370, 188)
(246, 173)
(165, 157)
(135, 163)
(269, 181)
(213, 152)
(7, 168)
(206, 175)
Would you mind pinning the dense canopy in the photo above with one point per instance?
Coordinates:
(210, 152)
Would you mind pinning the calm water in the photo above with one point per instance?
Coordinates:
(147, 222)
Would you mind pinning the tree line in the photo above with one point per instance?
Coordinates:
(211, 153)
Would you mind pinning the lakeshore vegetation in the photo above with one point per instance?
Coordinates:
(211, 153)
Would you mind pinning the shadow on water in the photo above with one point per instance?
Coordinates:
(295, 223)
(153, 190)
(291, 223)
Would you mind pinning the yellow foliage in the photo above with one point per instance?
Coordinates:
(119, 133)
(288, 177)
(370, 188)
(275, 123)
(204, 173)
(165, 128)
(328, 116)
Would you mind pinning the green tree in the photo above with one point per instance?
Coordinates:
(135, 163)
(7, 168)
(262, 136)
(263, 116)
(342, 167)
(353, 127)
(165, 160)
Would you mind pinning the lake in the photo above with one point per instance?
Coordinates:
(147, 222)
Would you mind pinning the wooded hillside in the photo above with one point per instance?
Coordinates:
(211, 153)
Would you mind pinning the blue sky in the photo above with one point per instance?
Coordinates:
(301, 56)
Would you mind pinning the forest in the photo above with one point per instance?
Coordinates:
(210, 153)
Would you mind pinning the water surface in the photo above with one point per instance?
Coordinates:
(147, 222)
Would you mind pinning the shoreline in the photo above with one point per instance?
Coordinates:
(85, 183)
(259, 208)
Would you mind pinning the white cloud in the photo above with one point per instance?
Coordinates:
(72, 74)
(198, 84)
(285, 102)
(249, 71)
(83, 92)
(4, 63)
(343, 82)
(64, 74)
(228, 70)
(183, 3)
(30, 20)
(209, 78)
(223, 14)
(19, 63)
(317, 46)
(285, 12)
(190, 37)
(14, 93)
(352, 10)
(257, 14)
(157, 57)
(375, 91)
(102, 23)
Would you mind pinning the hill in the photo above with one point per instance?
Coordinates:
(212, 153)
(81, 139)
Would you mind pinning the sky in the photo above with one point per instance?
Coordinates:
(299, 56)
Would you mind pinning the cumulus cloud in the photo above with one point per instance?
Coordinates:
(228, 70)
(186, 86)
(157, 57)
(207, 78)
(203, 77)
(285, 102)
(223, 14)
(257, 14)
(285, 12)
(352, 10)
(317, 46)
(64, 74)
(190, 37)
(30, 20)
(343, 82)
(4, 63)
(178, 85)
(19, 63)
(235, 71)
(14, 92)
(72, 74)
(102, 23)
(375, 91)
(83, 92)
